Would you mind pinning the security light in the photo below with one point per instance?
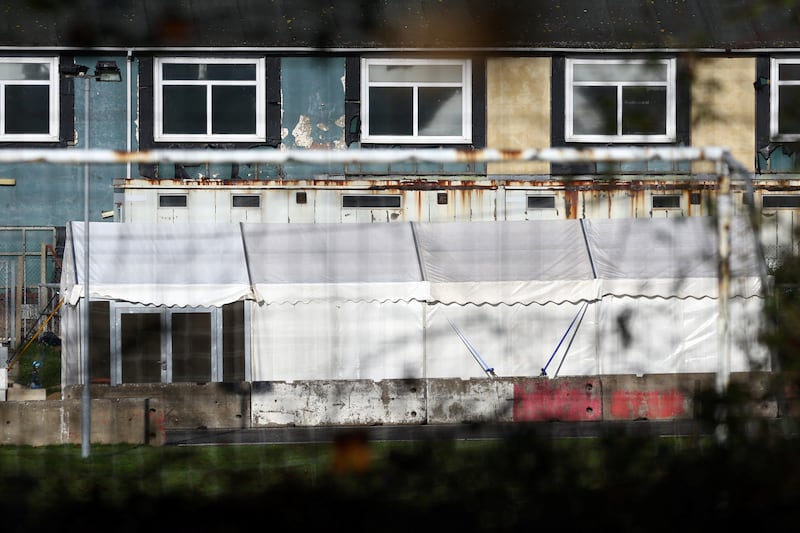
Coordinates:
(107, 71)
(74, 71)
(103, 71)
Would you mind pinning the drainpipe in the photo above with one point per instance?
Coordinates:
(128, 100)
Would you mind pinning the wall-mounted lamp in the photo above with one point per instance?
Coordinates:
(8, 182)
(760, 83)
(107, 71)
(103, 71)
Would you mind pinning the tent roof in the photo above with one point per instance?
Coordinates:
(465, 262)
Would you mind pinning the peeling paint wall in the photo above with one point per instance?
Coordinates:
(313, 109)
(518, 109)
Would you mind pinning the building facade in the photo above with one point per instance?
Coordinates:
(381, 74)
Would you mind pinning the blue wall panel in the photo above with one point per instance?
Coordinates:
(313, 109)
(50, 194)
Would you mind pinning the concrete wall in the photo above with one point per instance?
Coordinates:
(55, 422)
(142, 414)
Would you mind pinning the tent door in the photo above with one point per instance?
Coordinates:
(161, 345)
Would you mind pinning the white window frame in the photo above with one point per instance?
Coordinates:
(774, 98)
(466, 104)
(669, 84)
(158, 106)
(53, 98)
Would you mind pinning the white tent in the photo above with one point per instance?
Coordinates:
(414, 300)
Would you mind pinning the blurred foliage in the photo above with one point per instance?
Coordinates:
(527, 481)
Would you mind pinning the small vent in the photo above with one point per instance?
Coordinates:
(172, 200)
(694, 198)
(371, 201)
(667, 201)
(441, 198)
(246, 200)
(301, 197)
(541, 202)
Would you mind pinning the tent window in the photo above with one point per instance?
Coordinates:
(140, 347)
(233, 342)
(99, 343)
(191, 347)
(371, 201)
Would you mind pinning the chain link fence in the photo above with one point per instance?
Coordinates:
(30, 268)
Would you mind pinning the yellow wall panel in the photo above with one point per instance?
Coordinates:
(724, 108)
(518, 110)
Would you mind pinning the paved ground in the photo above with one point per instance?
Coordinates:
(305, 435)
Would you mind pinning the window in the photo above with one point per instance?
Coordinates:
(214, 100)
(416, 101)
(666, 201)
(541, 202)
(172, 200)
(615, 100)
(784, 121)
(776, 201)
(371, 201)
(246, 200)
(29, 99)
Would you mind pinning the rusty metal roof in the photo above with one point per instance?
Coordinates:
(402, 24)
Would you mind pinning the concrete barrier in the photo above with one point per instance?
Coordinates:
(142, 413)
(55, 422)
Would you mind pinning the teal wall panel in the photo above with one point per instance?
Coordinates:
(52, 194)
(313, 110)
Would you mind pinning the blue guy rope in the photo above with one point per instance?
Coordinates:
(544, 369)
(486, 368)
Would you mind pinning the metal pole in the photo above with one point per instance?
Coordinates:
(724, 211)
(86, 406)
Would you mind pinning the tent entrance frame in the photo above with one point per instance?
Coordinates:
(130, 346)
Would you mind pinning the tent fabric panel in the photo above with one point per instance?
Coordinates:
(348, 340)
(654, 336)
(136, 253)
(331, 253)
(653, 248)
(159, 264)
(503, 251)
(513, 340)
(678, 247)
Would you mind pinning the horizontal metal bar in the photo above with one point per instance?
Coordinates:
(326, 157)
